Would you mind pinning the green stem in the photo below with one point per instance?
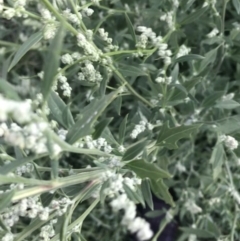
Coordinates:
(127, 52)
(5, 43)
(234, 223)
(50, 7)
(79, 221)
(36, 224)
(162, 227)
(78, 15)
(222, 33)
(130, 87)
(114, 10)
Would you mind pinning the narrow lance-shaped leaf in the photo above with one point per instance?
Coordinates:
(5, 199)
(161, 191)
(99, 128)
(217, 159)
(227, 104)
(59, 110)
(131, 29)
(28, 44)
(210, 58)
(5, 169)
(133, 195)
(64, 226)
(189, 57)
(198, 232)
(236, 4)
(228, 125)
(122, 129)
(67, 117)
(8, 90)
(51, 63)
(194, 16)
(134, 151)
(146, 191)
(169, 137)
(85, 123)
(147, 170)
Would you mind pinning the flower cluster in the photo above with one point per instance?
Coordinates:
(99, 143)
(104, 36)
(117, 181)
(165, 80)
(165, 53)
(146, 35)
(213, 33)
(134, 224)
(16, 10)
(229, 141)
(47, 231)
(141, 127)
(169, 18)
(88, 47)
(19, 111)
(89, 73)
(192, 207)
(49, 23)
(183, 50)
(31, 137)
(73, 18)
(32, 207)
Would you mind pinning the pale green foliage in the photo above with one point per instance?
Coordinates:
(103, 103)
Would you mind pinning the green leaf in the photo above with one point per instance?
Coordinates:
(217, 159)
(146, 191)
(130, 70)
(227, 104)
(59, 110)
(194, 16)
(89, 115)
(51, 63)
(236, 4)
(102, 191)
(8, 90)
(5, 169)
(133, 151)
(55, 168)
(122, 130)
(210, 58)
(130, 27)
(169, 137)
(67, 117)
(147, 170)
(106, 134)
(229, 125)
(99, 128)
(198, 232)
(178, 95)
(132, 195)
(103, 84)
(5, 199)
(154, 214)
(210, 100)
(161, 191)
(118, 104)
(3, 226)
(189, 57)
(213, 228)
(63, 232)
(35, 38)
(34, 225)
(175, 73)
